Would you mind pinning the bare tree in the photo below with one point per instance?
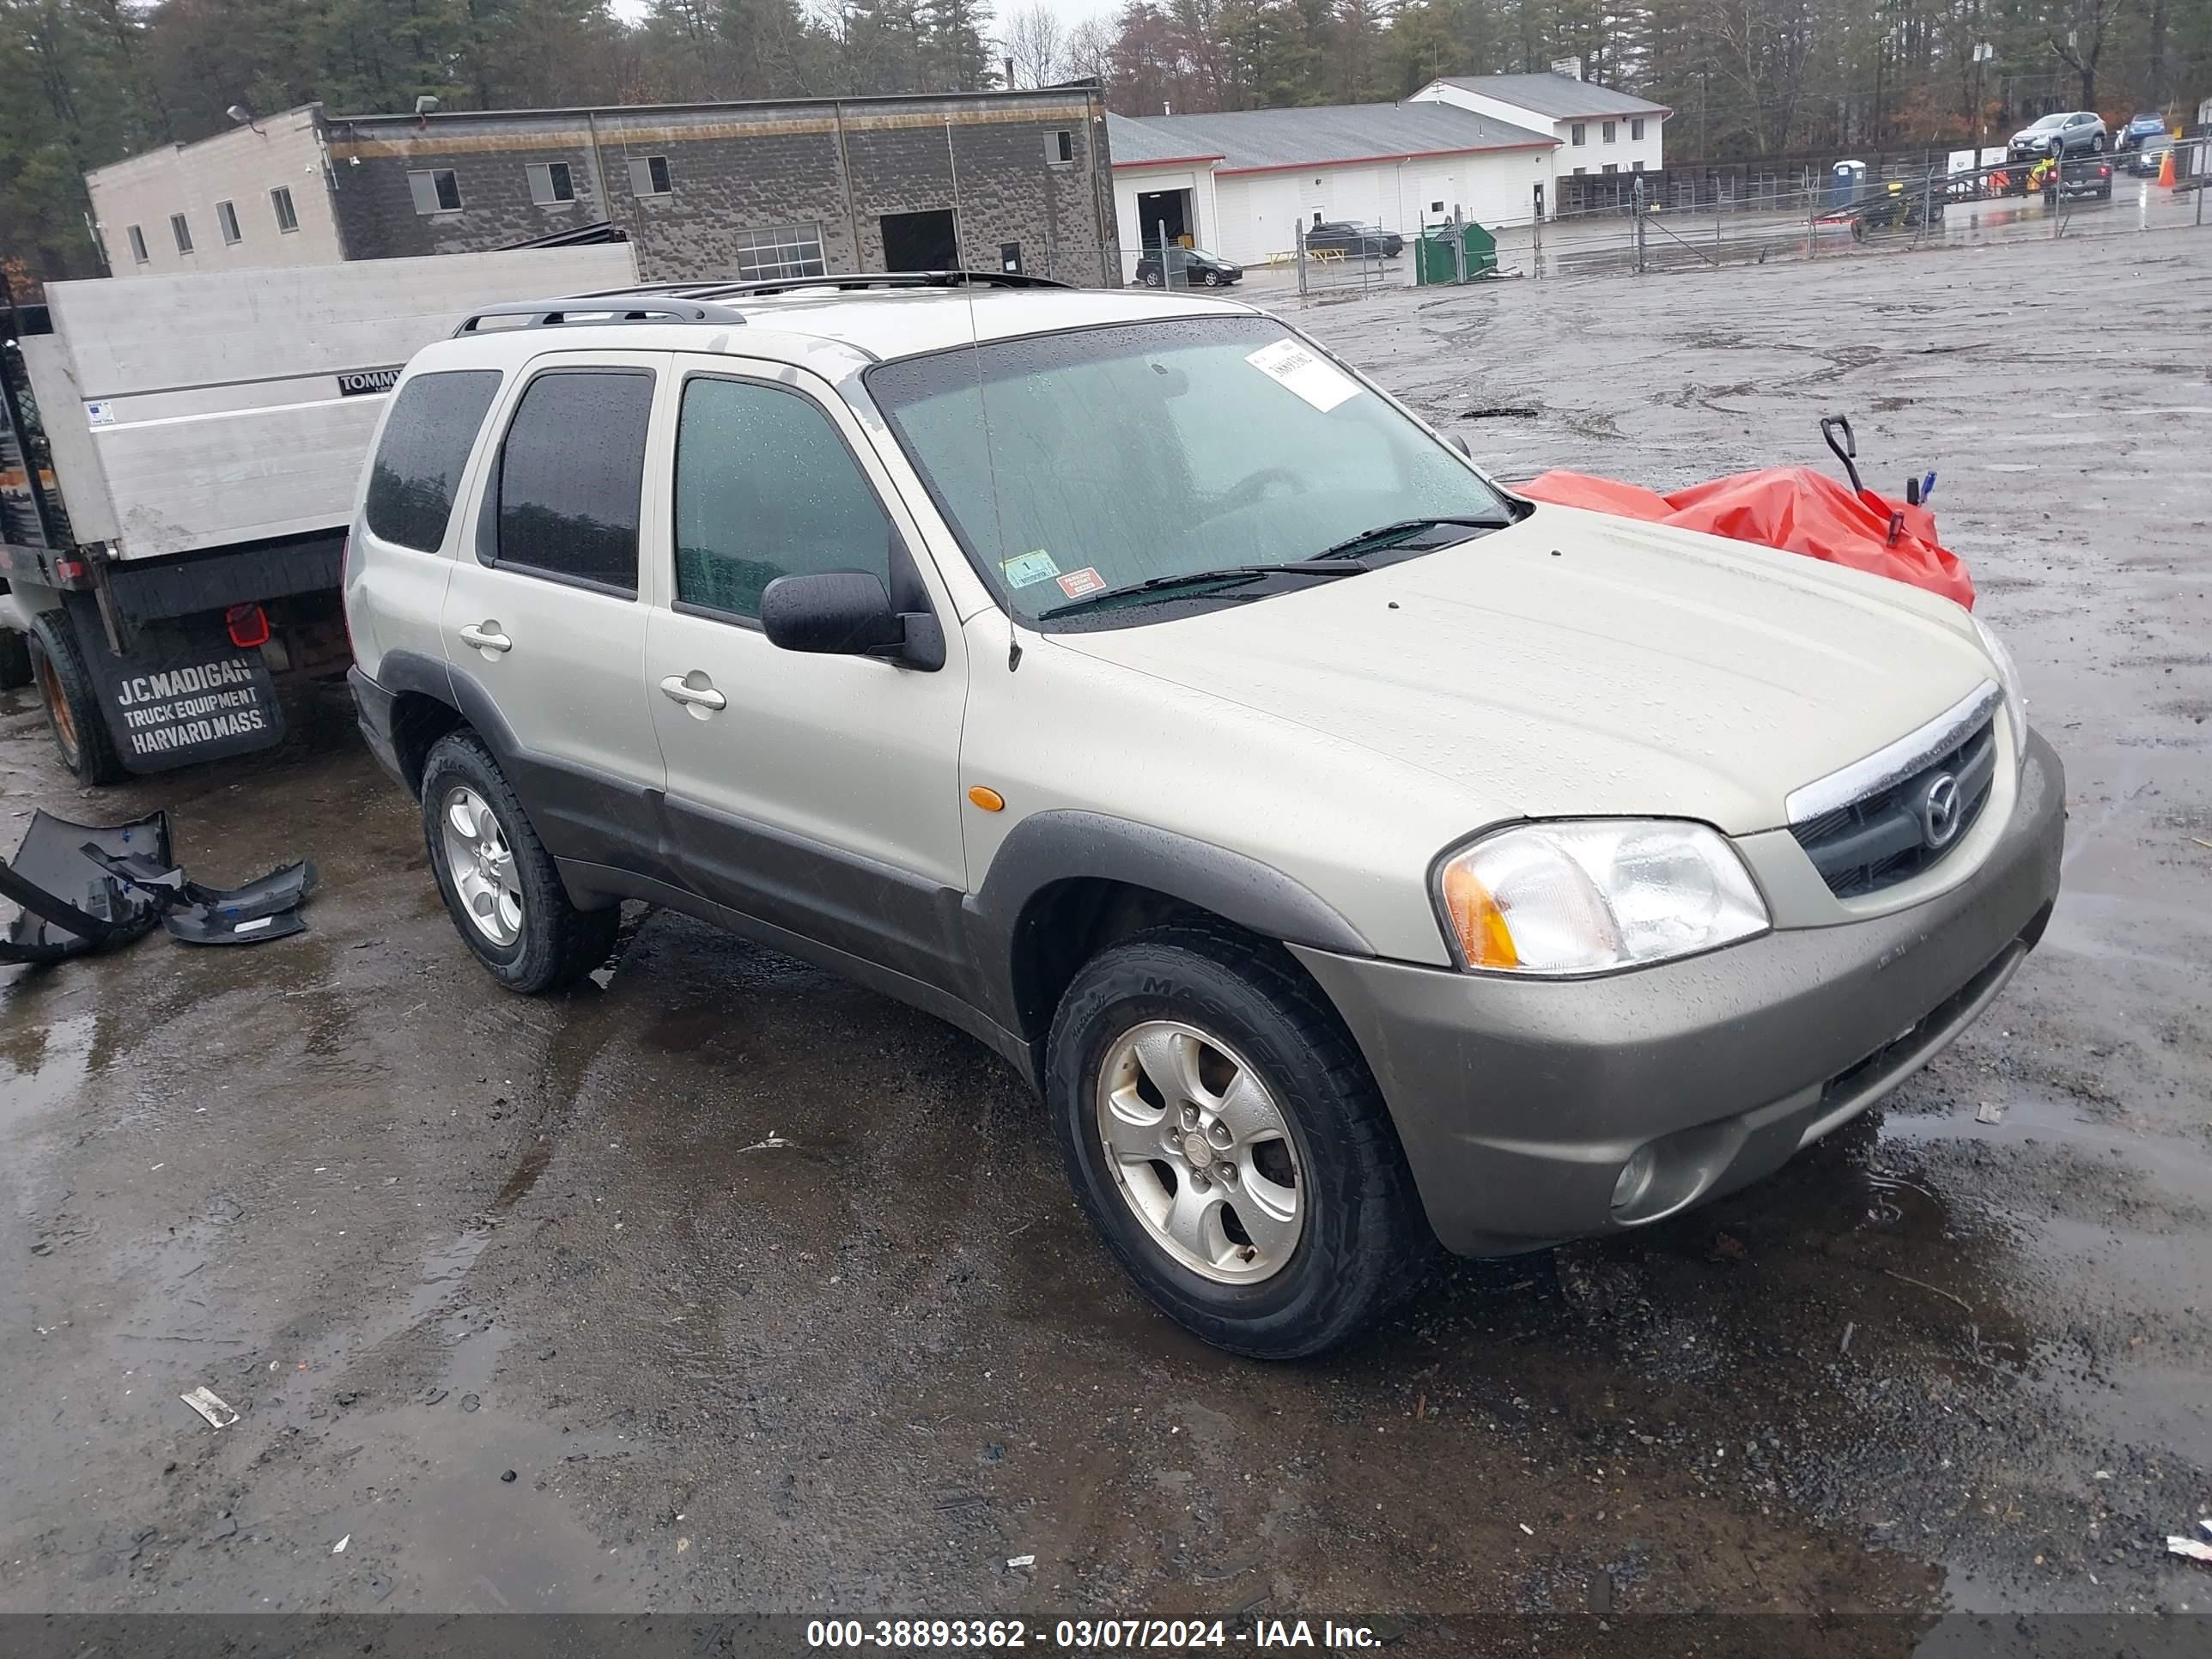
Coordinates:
(1035, 42)
(1088, 53)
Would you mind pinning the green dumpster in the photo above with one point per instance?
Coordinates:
(1437, 253)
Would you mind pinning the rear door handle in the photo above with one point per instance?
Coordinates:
(486, 637)
(700, 696)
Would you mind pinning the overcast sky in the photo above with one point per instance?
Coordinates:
(1068, 11)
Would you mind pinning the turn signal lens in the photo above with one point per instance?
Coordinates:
(1485, 940)
(987, 798)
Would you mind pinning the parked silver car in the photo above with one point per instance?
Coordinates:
(1353, 856)
(2072, 132)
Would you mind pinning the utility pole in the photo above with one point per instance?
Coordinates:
(1983, 52)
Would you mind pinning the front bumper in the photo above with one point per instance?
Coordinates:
(1518, 1101)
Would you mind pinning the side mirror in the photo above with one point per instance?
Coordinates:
(1459, 443)
(847, 613)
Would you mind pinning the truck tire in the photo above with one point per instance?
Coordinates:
(1227, 1141)
(497, 879)
(15, 660)
(73, 711)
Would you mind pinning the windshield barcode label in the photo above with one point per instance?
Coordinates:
(1320, 384)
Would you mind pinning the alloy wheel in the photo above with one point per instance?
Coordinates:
(1200, 1152)
(482, 866)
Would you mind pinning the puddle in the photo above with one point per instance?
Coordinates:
(43, 1064)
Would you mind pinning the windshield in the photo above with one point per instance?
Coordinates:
(1073, 463)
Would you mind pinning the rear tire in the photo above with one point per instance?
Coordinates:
(1339, 1234)
(552, 944)
(73, 711)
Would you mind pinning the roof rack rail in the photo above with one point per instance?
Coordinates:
(854, 281)
(554, 314)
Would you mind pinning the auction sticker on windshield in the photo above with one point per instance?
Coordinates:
(1076, 583)
(1317, 382)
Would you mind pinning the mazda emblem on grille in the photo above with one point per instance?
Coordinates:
(1939, 810)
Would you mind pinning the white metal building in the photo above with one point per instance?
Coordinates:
(1599, 130)
(1239, 183)
(253, 196)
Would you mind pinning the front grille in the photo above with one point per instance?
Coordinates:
(1879, 840)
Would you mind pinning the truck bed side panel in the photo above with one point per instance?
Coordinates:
(217, 405)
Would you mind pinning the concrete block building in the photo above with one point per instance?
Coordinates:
(1017, 181)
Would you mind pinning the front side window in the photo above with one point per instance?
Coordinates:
(435, 191)
(778, 255)
(550, 183)
(182, 232)
(226, 218)
(139, 254)
(570, 473)
(427, 439)
(1071, 463)
(288, 216)
(765, 487)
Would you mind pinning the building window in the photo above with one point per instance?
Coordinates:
(550, 183)
(1636, 166)
(1576, 133)
(1607, 132)
(648, 175)
(288, 217)
(1060, 148)
(226, 218)
(182, 232)
(137, 245)
(1580, 171)
(774, 255)
(1610, 166)
(437, 192)
(1635, 128)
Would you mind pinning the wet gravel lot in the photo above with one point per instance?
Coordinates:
(721, 1285)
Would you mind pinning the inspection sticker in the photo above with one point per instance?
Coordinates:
(1076, 583)
(1030, 568)
(1320, 384)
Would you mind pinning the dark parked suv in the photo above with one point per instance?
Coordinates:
(1366, 241)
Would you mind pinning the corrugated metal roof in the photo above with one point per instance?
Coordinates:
(1558, 96)
(1254, 139)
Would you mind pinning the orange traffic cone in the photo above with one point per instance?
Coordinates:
(2165, 169)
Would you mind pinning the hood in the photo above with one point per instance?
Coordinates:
(1578, 664)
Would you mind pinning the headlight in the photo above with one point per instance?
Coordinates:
(2014, 694)
(1582, 897)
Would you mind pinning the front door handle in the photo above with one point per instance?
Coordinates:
(486, 637)
(698, 696)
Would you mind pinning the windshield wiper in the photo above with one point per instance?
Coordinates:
(1235, 575)
(1366, 540)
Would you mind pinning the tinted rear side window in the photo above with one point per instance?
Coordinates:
(570, 474)
(427, 440)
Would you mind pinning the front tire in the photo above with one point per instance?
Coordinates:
(73, 711)
(1152, 279)
(497, 879)
(1225, 1136)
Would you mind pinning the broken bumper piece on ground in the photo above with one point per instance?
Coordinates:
(86, 887)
